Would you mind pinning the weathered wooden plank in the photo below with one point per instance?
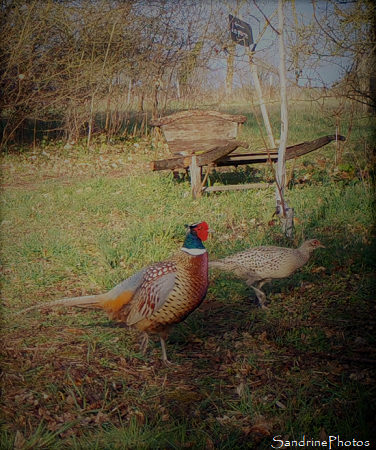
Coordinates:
(220, 151)
(238, 187)
(195, 172)
(193, 113)
(183, 162)
(247, 158)
(197, 129)
(292, 152)
(306, 147)
(185, 147)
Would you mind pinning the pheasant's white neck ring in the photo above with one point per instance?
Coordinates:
(194, 251)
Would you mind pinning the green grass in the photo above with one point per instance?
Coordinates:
(73, 379)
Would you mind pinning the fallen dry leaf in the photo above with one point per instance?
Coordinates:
(100, 418)
(19, 441)
(322, 434)
(262, 427)
(280, 405)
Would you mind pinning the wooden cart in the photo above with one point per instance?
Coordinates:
(199, 138)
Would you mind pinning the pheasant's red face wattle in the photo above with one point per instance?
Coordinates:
(202, 230)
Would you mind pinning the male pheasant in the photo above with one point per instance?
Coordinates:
(263, 264)
(158, 296)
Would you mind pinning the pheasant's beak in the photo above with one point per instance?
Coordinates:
(211, 231)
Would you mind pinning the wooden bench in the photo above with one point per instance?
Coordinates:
(196, 139)
(199, 138)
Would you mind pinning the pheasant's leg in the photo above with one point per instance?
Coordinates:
(163, 345)
(164, 353)
(261, 297)
(144, 343)
(260, 284)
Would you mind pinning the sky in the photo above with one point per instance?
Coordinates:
(329, 71)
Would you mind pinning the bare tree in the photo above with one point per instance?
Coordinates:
(69, 61)
(339, 33)
(285, 213)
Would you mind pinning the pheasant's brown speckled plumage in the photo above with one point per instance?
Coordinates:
(263, 264)
(189, 290)
(160, 295)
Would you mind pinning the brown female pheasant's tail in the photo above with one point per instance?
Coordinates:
(219, 265)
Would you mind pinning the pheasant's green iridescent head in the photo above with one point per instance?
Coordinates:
(196, 233)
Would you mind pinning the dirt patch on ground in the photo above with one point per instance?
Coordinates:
(63, 180)
(32, 170)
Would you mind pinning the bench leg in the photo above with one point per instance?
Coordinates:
(196, 173)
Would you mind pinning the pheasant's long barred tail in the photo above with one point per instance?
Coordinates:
(158, 296)
(74, 301)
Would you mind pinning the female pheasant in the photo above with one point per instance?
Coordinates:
(263, 264)
(158, 296)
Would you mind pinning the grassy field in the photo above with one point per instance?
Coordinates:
(78, 222)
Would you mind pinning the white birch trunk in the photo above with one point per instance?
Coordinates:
(261, 100)
(230, 70)
(285, 213)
